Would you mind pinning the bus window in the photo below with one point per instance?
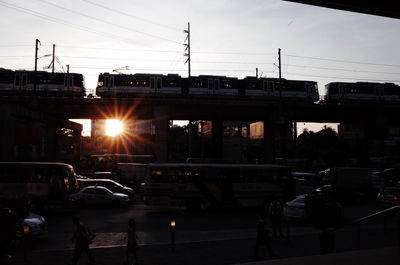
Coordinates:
(40, 175)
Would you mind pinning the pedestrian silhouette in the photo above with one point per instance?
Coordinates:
(263, 239)
(132, 244)
(82, 240)
(275, 214)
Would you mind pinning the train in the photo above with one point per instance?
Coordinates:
(361, 92)
(111, 85)
(121, 85)
(23, 82)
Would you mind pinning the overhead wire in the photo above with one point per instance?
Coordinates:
(63, 22)
(345, 78)
(130, 15)
(342, 61)
(108, 22)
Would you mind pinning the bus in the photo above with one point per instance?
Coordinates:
(47, 185)
(207, 185)
(109, 162)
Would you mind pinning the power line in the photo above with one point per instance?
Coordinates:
(345, 78)
(48, 18)
(131, 16)
(107, 22)
(341, 69)
(174, 61)
(63, 22)
(342, 61)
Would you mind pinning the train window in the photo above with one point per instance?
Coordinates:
(152, 82)
(111, 81)
(6, 77)
(17, 80)
(226, 84)
(269, 86)
(106, 81)
(216, 84)
(210, 84)
(171, 82)
(71, 80)
(391, 90)
(158, 82)
(141, 81)
(24, 77)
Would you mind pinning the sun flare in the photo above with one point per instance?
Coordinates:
(114, 127)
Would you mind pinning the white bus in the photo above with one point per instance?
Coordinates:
(46, 184)
(202, 185)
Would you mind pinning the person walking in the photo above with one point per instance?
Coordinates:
(132, 244)
(82, 240)
(275, 213)
(263, 239)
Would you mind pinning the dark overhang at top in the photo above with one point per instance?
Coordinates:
(379, 8)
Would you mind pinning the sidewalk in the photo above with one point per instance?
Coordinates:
(230, 251)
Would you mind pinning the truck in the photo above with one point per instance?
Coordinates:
(351, 182)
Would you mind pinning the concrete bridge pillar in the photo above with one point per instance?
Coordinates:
(7, 135)
(161, 121)
(269, 140)
(217, 137)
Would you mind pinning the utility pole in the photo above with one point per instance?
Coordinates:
(54, 55)
(256, 72)
(36, 58)
(187, 31)
(280, 74)
(67, 68)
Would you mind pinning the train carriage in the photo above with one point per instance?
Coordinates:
(300, 90)
(275, 88)
(138, 84)
(213, 85)
(361, 92)
(41, 83)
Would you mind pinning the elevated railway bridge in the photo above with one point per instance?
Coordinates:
(161, 109)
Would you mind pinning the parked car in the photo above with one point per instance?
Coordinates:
(100, 195)
(302, 186)
(389, 196)
(36, 224)
(295, 208)
(313, 179)
(109, 184)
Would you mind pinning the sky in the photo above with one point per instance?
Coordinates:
(228, 37)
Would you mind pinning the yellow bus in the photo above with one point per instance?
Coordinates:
(46, 184)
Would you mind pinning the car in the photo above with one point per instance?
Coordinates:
(295, 208)
(109, 184)
(302, 186)
(101, 196)
(389, 196)
(37, 225)
(325, 190)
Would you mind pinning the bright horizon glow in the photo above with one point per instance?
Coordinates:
(86, 130)
(114, 127)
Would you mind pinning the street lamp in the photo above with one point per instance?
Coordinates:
(172, 236)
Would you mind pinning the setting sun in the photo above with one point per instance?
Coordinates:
(114, 127)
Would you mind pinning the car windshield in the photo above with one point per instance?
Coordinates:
(299, 200)
(103, 191)
(116, 184)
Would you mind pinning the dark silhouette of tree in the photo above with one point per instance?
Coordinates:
(323, 145)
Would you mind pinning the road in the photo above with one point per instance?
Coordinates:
(225, 235)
